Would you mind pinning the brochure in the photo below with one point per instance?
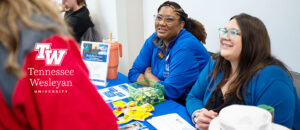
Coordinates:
(96, 57)
(136, 125)
(114, 93)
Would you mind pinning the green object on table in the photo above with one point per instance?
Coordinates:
(268, 108)
(146, 91)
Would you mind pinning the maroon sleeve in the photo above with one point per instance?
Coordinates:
(59, 96)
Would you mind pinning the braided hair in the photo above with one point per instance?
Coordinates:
(81, 2)
(191, 25)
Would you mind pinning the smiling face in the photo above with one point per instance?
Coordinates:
(168, 26)
(231, 49)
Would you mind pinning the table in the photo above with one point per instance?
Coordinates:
(168, 107)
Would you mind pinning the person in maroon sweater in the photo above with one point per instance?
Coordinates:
(44, 84)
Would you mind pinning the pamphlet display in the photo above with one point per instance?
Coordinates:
(96, 57)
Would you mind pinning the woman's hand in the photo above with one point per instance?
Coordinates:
(203, 118)
(149, 76)
(140, 78)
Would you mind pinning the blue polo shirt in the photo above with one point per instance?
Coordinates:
(178, 68)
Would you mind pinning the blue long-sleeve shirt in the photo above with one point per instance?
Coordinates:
(271, 86)
(179, 67)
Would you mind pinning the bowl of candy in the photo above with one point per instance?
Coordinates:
(146, 91)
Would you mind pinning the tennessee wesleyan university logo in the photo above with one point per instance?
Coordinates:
(52, 57)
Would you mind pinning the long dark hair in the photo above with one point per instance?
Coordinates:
(81, 2)
(255, 55)
(191, 25)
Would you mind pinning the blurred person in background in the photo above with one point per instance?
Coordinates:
(78, 17)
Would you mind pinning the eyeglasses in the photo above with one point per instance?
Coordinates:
(231, 33)
(168, 20)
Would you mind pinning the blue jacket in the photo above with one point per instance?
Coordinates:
(271, 86)
(178, 69)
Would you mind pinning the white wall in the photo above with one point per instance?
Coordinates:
(281, 17)
(124, 18)
(104, 15)
(134, 18)
(130, 31)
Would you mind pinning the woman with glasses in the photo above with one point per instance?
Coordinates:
(174, 55)
(244, 72)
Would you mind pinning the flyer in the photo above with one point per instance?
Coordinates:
(170, 122)
(114, 93)
(96, 57)
(134, 126)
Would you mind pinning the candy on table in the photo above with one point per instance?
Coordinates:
(136, 108)
(118, 104)
(146, 91)
(117, 112)
(140, 115)
(148, 107)
(123, 119)
(132, 111)
(132, 103)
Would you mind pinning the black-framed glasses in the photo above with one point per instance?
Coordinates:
(231, 33)
(168, 20)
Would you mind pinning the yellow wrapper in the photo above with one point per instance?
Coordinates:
(132, 103)
(138, 108)
(148, 107)
(119, 104)
(123, 119)
(117, 112)
(137, 114)
(131, 111)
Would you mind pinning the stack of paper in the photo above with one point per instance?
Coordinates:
(170, 122)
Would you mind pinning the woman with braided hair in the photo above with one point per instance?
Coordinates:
(174, 54)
